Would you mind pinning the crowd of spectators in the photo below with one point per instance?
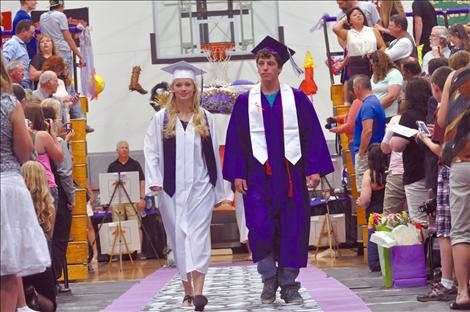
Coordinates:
(37, 91)
(56, 41)
(406, 91)
(385, 82)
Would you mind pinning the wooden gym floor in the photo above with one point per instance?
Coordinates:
(102, 272)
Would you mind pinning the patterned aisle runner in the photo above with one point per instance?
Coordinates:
(235, 289)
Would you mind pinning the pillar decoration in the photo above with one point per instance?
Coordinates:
(77, 249)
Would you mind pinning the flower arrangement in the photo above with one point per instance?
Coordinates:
(388, 222)
(218, 100)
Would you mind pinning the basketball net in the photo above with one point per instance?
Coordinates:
(218, 59)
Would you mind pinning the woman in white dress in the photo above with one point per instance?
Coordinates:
(23, 245)
(183, 169)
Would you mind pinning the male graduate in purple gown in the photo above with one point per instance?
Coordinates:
(274, 149)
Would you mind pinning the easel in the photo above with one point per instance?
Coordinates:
(119, 233)
(327, 229)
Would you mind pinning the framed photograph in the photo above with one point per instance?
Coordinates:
(129, 181)
(108, 231)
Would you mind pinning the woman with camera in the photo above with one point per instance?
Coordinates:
(23, 244)
(418, 92)
(46, 147)
(183, 169)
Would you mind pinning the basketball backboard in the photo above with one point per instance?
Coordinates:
(183, 27)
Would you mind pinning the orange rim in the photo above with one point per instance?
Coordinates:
(217, 51)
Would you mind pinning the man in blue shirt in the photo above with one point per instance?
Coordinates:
(25, 13)
(369, 126)
(15, 48)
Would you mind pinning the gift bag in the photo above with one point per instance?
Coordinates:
(385, 265)
(408, 266)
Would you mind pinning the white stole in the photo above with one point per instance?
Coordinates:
(292, 150)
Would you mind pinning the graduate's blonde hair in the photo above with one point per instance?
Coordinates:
(199, 121)
(36, 182)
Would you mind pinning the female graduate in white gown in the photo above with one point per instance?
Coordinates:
(185, 175)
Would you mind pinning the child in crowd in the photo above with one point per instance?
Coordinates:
(372, 195)
(40, 289)
(373, 182)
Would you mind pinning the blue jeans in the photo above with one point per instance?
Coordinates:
(55, 194)
(353, 154)
(285, 276)
(76, 110)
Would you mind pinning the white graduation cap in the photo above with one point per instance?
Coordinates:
(183, 69)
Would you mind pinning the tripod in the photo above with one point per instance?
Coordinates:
(119, 234)
(327, 228)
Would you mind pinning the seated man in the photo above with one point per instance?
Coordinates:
(124, 163)
(404, 44)
(15, 71)
(48, 83)
(439, 40)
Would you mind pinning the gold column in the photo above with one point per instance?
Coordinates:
(337, 98)
(77, 250)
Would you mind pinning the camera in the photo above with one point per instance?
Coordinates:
(68, 127)
(48, 122)
(429, 206)
(330, 123)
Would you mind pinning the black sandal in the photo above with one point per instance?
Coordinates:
(188, 298)
(200, 302)
(460, 306)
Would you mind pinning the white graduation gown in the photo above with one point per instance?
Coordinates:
(187, 215)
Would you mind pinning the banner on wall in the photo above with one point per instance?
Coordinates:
(74, 17)
(452, 4)
(6, 25)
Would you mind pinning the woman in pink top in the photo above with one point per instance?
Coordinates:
(46, 146)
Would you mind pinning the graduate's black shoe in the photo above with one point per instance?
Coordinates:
(199, 302)
(290, 294)
(268, 295)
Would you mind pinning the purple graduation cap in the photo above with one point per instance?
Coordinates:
(285, 53)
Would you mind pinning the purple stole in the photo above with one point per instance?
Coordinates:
(169, 159)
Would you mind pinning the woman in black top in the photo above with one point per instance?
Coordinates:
(417, 93)
(46, 49)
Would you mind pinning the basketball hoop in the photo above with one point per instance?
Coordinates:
(217, 51)
(218, 59)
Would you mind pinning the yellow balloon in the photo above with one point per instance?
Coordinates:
(99, 84)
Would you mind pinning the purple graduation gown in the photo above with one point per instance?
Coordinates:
(278, 225)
